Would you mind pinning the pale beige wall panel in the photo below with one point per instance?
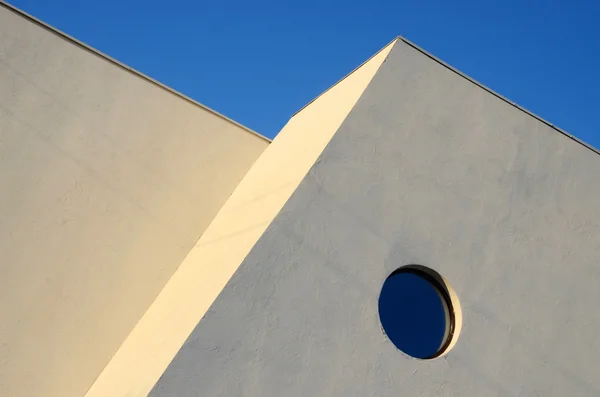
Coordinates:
(107, 180)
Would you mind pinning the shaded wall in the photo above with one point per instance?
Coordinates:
(428, 168)
(107, 180)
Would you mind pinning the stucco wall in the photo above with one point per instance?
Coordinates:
(107, 180)
(428, 168)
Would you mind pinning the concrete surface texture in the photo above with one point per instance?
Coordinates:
(427, 168)
(107, 181)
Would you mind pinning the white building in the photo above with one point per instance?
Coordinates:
(151, 247)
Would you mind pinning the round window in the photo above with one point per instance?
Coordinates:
(419, 312)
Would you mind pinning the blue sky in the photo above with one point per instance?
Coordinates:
(259, 61)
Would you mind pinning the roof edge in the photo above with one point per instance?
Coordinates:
(343, 78)
(463, 75)
(121, 65)
(494, 93)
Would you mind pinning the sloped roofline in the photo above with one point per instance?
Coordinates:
(138, 74)
(458, 72)
(86, 47)
(346, 76)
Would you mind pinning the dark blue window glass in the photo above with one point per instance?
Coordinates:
(414, 314)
